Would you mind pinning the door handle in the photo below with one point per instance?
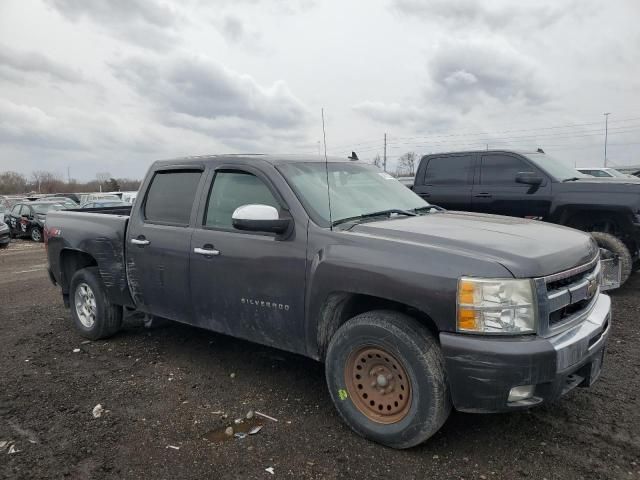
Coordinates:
(137, 241)
(483, 195)
(207, 252)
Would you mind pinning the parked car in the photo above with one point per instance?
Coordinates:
(27, 219)
(65, 201)
(5, 236)
(413, 310)
(72, 196)
(90, 197)
(535, 185)
(129, 197)
(105, 203)
(603, 172)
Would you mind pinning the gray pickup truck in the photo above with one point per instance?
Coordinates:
(414, 310)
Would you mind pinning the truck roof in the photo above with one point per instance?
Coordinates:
(274, 159)
(521, 152)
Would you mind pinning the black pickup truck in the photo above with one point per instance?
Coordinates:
(535, 185)
(413, 309)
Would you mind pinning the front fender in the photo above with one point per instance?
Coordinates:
(416, 276)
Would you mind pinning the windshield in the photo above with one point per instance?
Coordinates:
(356, 189)
(554, 167)
(616, 173)
(43, 208)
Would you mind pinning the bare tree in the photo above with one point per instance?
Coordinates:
(377, 161)
(42, 181)
(102, 178)
(407, 164)
(12, 182)
(46, 182)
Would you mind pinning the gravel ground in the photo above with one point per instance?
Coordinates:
(163, 390)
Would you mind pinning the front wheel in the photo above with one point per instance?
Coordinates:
(386, 376)
(36, 234)
(613, 244)
(94, 317)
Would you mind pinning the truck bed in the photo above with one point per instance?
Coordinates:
(95, 235)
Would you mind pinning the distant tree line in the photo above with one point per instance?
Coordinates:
(405, 165)
(40, 181)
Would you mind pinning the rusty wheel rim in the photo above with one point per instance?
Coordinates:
(378, 385)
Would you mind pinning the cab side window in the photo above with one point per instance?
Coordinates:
(26, 210)
(233, 189)
(501, 169)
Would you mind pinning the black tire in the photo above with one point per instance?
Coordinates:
(108, 317)
(419, 354)
(615, 245)
(36, 234)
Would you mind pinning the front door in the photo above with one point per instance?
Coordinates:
(447, 181)
(498, 192)
(247, 284)
(158, 243)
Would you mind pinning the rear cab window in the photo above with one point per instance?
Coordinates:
(171, 196)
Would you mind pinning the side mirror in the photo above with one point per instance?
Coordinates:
(529, 178)
(259, 218)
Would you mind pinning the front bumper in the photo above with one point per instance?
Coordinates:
(481, 371)
(4, 237)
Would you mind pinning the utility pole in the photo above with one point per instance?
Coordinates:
(68, 175)
(606, 132)
(384, 162)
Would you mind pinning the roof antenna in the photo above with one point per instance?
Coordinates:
(326, 169)
(540, 150)
(353, 156)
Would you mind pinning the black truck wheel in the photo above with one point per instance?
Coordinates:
(94, 317)
(36, 234)
(615, 245)
(386, 376)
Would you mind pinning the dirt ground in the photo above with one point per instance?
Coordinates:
(163, 390)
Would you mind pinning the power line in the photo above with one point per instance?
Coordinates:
(494, 140)
(486, 133)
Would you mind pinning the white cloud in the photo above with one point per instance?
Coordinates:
(15, 64)
(200, 87)
(465, 73)
(148, 23)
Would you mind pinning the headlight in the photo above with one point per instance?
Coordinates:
(496, 306)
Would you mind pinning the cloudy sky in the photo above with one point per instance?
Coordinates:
(91, 86)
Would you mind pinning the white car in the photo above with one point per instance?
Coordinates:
(603, 172)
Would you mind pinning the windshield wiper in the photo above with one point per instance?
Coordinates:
(428, 208)
(374, 214)
(572, 179)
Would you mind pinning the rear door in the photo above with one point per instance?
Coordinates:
(497, 191)
(252, 285)
(158, 243)
(447, 180)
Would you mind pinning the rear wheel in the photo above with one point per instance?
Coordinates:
(94, 317)
(386, 376)
(614, 245)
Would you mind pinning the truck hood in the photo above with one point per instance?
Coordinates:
(603, 186)
(526, 248)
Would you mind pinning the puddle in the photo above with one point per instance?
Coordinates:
(218, 435)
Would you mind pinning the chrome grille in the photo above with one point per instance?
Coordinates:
(566, 297)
